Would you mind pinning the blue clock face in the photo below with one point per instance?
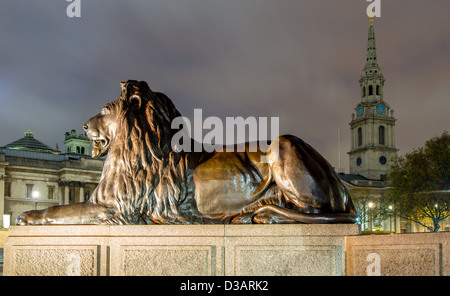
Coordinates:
(360, 110)
(381, 108)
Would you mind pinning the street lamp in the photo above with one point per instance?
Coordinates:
(35, 195)
(6, 220)
(371, 205)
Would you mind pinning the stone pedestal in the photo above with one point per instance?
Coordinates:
(412, 254)
(192, 250)
(278, 250)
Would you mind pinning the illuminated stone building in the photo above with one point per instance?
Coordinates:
(372, 129)
(35, 176)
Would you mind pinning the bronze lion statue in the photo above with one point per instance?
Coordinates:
(144, 181)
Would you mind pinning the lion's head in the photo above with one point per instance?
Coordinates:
(135, 132)
(138, 112)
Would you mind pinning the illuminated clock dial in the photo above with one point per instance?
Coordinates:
(360, 110)
(381, 109)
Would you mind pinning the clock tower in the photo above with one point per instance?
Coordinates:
(372, 127)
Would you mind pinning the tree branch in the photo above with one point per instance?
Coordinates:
(419, 222)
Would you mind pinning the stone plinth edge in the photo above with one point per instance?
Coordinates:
(293, 249)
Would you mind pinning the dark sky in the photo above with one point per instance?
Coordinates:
(299, 60)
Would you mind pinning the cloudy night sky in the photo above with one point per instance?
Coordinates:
(299, 60)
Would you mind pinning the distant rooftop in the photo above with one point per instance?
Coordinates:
(73, 135)
(29, 143)
(360, 181)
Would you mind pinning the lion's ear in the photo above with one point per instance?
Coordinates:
(124, 86)
(130, 92)
(137, 98)
(129, 87)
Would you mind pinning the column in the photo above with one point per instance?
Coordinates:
(3, 166)
(66, 194)
(390, 135)
(397, 224)
(393, 135)
(81, 196)
(2, 198)
(60, 194)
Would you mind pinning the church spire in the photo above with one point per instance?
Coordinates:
(371, 61)
(372, 81)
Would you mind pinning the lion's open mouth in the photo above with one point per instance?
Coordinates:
(99, 147)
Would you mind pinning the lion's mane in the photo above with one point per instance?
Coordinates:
(142, 177)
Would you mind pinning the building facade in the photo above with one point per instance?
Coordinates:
(34, 176)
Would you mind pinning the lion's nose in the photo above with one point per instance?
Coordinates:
(86, 126)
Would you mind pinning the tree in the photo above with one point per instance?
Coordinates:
(371, 206)
(420, 183)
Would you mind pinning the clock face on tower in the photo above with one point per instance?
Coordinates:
(381, 109)
(360, 110)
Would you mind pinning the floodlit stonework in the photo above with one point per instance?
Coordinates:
(195, 250)
(28, 166)
(222, 250)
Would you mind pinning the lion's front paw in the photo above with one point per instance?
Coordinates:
(246, 218)
(263, 218)
(30, 218)
(22, 219)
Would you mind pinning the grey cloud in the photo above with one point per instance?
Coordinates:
(299, 60)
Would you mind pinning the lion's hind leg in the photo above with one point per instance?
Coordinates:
(274, 214)
(271, 196)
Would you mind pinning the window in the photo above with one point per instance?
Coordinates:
(7, 188)
(82, 150)
(51, 190)
(70, 195)
(29, 190)
(78, 149)
(364, 91)
(370, 90)
(378, 90)
(360, 137)
(381, 136)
